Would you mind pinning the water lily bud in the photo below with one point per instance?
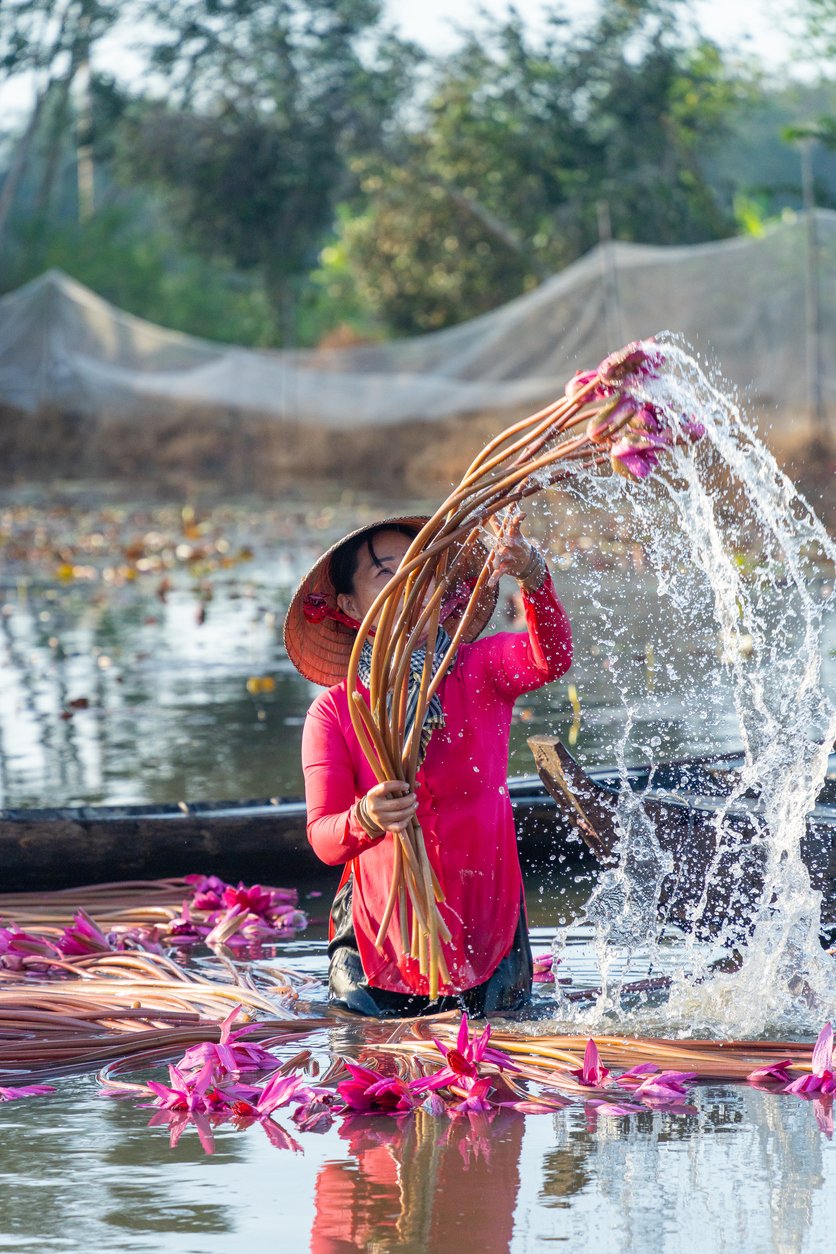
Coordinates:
(647, 418)
(598, 428)
(580, 381)
(610, 418)
(634, 358)
(620, 467)
(692, 427)
(635, 454)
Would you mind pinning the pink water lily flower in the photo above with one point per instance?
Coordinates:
(189, 1093)
(23, 944)
(254, 899)
(83, 937)
(821, 1079)
(593, 1073)
(773, 1073)
(267, 902)
(208, 892)
(238, 925)
(463, 1059)
(184, 930)
(667, 1086)
(18, 948)
(230, 1056)
(476, 1099)
(281, 1090)
(24, 1090)
(632, 1079)
(368, 1092)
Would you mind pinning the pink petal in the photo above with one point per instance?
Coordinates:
(823, 1051)
(25, 1090)
(631, 1078)
(776, 1071)
(804, 1084)
(823, 1110)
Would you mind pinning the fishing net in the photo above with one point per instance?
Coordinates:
(764, 307)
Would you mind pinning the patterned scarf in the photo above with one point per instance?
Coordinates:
(434, 716)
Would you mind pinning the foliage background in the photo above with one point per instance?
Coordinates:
(295, 172)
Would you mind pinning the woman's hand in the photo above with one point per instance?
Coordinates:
(513, 555)
(389, 805)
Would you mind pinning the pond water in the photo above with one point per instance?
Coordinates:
(141, 656)
(141, 660)
(746, 1170)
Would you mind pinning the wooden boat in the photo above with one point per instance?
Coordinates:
(258, 841)
(699, 824)
(564, 818)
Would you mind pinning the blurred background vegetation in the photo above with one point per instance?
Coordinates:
(295, 172)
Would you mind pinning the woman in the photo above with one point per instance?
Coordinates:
(461, 798)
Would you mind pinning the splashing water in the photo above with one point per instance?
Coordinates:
(737, 557)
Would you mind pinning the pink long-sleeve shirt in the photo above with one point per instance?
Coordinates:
(463, 804)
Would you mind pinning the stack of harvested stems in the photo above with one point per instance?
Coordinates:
(556, 1059)
(598, 421)
(131, 1008)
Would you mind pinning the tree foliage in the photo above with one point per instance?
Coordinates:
(271, 100)
(820, 19)
(536, 134)
(298, 160)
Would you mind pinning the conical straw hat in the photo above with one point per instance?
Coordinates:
(320, 648)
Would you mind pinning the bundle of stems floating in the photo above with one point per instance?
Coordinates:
(122, 901)
(129, 1006)
(550, 1060)
(599, 421)
(144, 914)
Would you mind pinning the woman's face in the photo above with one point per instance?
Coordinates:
(377, 562)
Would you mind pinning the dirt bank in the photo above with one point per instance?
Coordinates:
(235, 455)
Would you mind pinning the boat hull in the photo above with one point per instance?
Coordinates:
(262, 841)
(715, 846)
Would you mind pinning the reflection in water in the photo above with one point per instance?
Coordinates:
(421, 1183)
(744, 1173)
(749, 1170)
(565, 1170)
(105, 1176)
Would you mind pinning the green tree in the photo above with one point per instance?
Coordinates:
(820, 20)
(52, 39)
(521, 140)
(269, 102)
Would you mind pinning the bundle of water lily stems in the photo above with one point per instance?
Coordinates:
(599, 420)
(249, 1054)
